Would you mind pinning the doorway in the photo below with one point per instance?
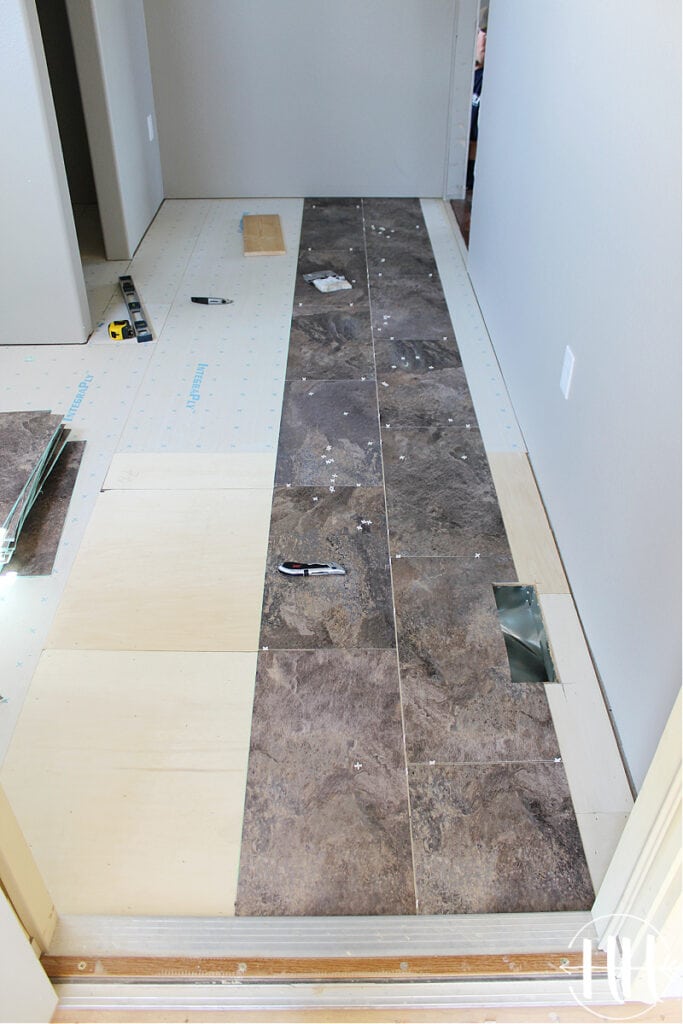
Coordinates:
(462, 208)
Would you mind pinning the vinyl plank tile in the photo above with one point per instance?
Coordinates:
(168, 570)
(350, 263)
(440, 495)
(400, 216)
(132, 803)
(25, 436)
(348, 527)
(415, 356)
(460, 703)
(410, 309)
(36, 549)
(329, 435)
(435, 398)
(335, 345)
(326, 814)
(496, 839)
(332, 223)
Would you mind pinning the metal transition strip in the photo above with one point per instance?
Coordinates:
(86, 936)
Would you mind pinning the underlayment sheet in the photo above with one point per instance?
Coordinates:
(36, 548)
(487, 824)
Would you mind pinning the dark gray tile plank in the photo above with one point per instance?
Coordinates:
(24, 438)
(332, 224)
(410, 309)
(326, 815)
(348, 527)
(496, 839)
(334, 346)
(441, 498)
(437, 397)
(415, 356)
(460, 703)
(329, 435)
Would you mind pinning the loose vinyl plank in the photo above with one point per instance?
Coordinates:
(36, 548)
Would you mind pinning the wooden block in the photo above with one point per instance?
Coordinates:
(531, 540)
(262, 235)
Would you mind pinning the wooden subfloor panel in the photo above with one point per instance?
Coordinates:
(531, 540)
(168, 571)
(194, 472)
(127, 774)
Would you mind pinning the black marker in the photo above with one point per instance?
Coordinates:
(209, 300)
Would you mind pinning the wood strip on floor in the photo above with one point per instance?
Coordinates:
(528, 965)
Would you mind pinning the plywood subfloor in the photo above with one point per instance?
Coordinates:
(168, 571)
(127, 774)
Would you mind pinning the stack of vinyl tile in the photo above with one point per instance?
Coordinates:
(30, 444)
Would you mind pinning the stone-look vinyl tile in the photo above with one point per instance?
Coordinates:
(415, 356)
(335, 346)
(329, 435)
(332, 223)
(431, 399)
(459, 701)
(24, 439)
(326, 814)
(440, 494)
(394, 263)
(350, 263)
(410, 309)
(495, 839)
(38, 541)
(384, 217)
(348, 527)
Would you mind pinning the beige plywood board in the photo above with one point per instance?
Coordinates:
(133, 805)
(263, 235)
(600, 834)
(533, 546)
(168, 571)
(199, 471)
(595, 770)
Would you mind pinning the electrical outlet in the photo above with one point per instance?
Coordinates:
(150, 127)
(567, 372)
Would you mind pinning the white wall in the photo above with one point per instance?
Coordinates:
(112, 58)
(40, 270)
(575, 240)
(307, 97)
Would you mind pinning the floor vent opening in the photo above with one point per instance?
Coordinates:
(527, 645)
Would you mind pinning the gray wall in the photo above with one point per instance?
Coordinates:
(307, 97)
(41, 280)
(112, 58)
(576, 241)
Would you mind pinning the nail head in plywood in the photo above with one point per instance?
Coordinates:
(531, 540)
(262, 234)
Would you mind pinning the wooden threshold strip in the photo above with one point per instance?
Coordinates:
(143, 968)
